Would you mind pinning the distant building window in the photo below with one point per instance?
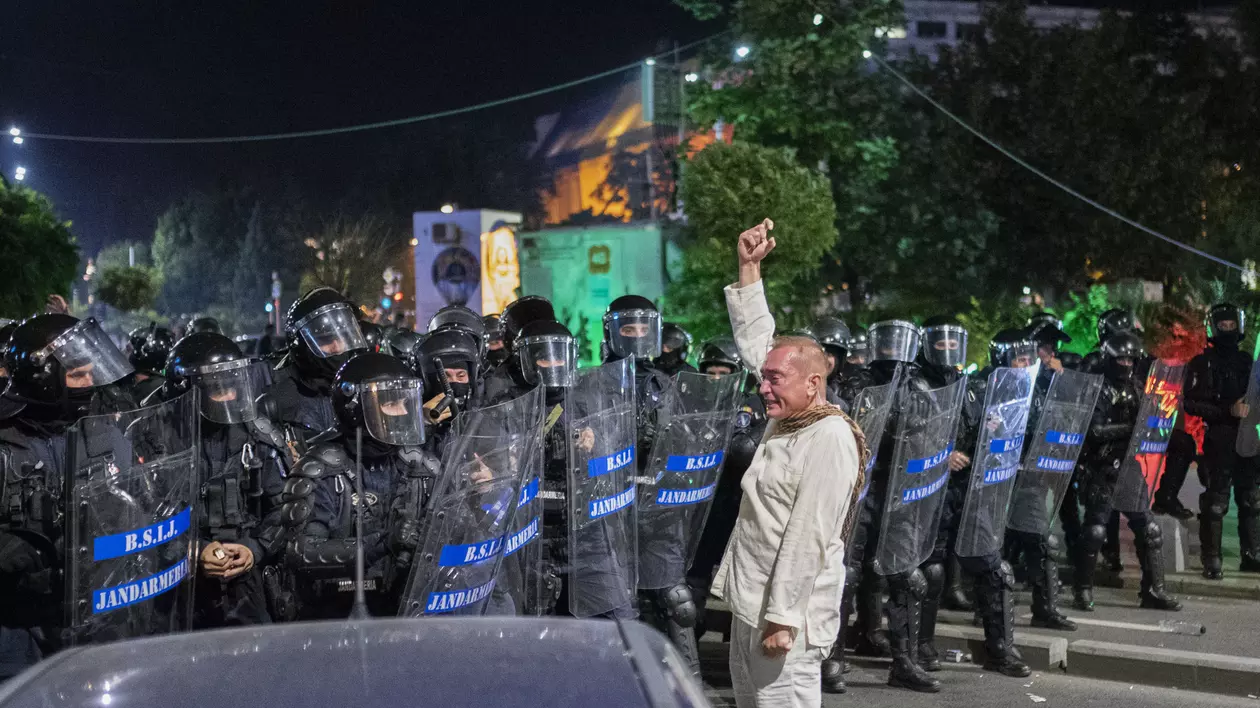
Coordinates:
(932, 30)
(970, 32)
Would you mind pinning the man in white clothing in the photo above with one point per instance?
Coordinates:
(783, 571)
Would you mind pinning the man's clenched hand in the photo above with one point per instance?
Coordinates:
(754, 245)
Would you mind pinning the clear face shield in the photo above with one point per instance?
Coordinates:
(392, 411)
(634, 333)
(550, 361)
(945, 346)
(895, 340)
(1019, 355)
(88, 356)
(332, 330)
(228, 391)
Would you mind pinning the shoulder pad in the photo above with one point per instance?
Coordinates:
(918, 383)
(323, 438)
(419, 461)
(323, 460)
(267, 432)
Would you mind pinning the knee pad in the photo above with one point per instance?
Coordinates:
(1007, 574)
(1213, 506)
(934, 577)
(914, 583)
(680, 605)
(1052, 543)
(1094, 537)
(1154, 535)
(1249, 501)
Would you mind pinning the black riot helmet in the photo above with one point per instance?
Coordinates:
(1226, 325)
(6, 331)
(520, 312)
(1046, 330)
(675, 346)
(322, 332)
(496, 348)
(1010, 347)
(548, 354)
(378, 393)
(373, 335)
(720, 351)
(226, 378)
(894, 340)
(53, 357)
(632, 327)
(944, 343)
(149, 348)
(204, 324)
(450, 347)
(458, 315)
(1071, 360)
(859, 347)
(834, 336)
(1121, 352)
(401, 342)
(1114, 321)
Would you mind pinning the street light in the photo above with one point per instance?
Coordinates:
(448, 208)
(866, 54)
(20, 174)
(742, 51)
(692, 77)
(651, 62)
(14, 132)
(18, 140)
(818, 18)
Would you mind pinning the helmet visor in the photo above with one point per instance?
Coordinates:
(945, 346)
(88, 356)
(894, 341)
(1011, 353)
(392, 411)
(228, 391)
(331, 331)
(634, 333)
(550, 361)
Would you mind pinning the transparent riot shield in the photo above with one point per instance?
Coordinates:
(1248, 443)
(132, 521)
(603, 552)
(927, 422)
(1144, 462)
(995, 462)
(870, 411)
(676, 490)
(472, 513)
(1052, 451)
(521, 573)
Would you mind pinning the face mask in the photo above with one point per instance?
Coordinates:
(1227, 340)
(669, 360)
(495, 357)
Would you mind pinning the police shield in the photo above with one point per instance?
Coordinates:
(679, 481)
(1144, 461)
(919, 471)
(870, 411)
(521, 572)
(472, 515)
(1248, 443)
(603, 556)
(132, 522)
(995, 462)
(1052, 451)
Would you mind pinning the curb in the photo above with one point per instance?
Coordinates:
(1043, 653)
(1149, 666)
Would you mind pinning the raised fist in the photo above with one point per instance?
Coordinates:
(756, 243)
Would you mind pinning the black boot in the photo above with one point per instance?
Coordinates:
(1111, 550)
(928, 657)
(1211, 529)
(995, 594)
(833, 667)
(870, 613)
(1044, 578)
(1092, 538)
(1149, 540)
(955, 598)
(1248, 538)
(904, 605)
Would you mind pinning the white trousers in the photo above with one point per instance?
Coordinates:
(791, 681)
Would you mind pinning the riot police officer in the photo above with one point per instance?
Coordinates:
(515, 316)
(148, 348)
(204, 324)
(675, 346)
(378, 402)
(1113, 321)
(322, 332)
(449, 363)
(859, 347)
(496, 352)
(243, 465)
(60, 369)
(833, 334)
(1046, 330)
(1105, 448)
(1216, 384)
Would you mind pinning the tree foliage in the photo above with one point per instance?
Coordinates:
(729, 188)
(38, 255)
(351, 253)
(128, 289)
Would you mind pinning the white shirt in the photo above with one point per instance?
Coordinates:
(785, 560)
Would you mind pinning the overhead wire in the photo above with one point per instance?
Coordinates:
(363, 126)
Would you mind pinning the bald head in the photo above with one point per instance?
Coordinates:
(793, 376)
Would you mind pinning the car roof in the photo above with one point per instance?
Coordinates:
(504, 662)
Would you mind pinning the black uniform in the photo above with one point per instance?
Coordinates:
(1215, 380)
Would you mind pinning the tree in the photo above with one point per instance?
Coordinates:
(38, 255)
(351, 253)
(727, 189)
(120, 255)
(128, 289)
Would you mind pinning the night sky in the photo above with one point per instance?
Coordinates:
(162, 69)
